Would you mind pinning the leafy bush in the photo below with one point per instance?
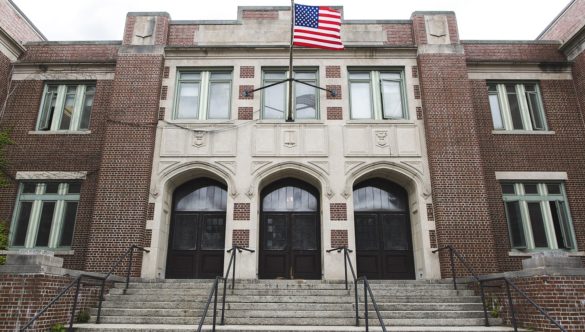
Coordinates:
(58, 328)
(3, 240)
(83, 316)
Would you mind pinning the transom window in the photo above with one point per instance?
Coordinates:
(538, 216)
(203, 95)
(66, 107)
(45, 214)
(306, 98)
(377, 94)
(516, 106)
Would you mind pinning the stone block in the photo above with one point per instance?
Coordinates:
(552, 259)
(36, 257)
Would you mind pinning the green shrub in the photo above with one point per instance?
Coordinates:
(3, 240)
(83, 316)
(58, 328)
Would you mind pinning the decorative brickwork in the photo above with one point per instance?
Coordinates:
(16, 26)
(245, 113)
(166, 72)
(163, 92)
(514, 52)
(241, 211)
(147, 237)
(339, 238)
(398, 34)
(338, 211)
(243, 89)
(419, 113)
(161, 113)
(241, 238)
(182, 35)
(70, 53)
(568, 22)
(336, 89)
(150, 212)
(430, 213)
(433, 238)
(414, 72)
(416, 92)
(332, 71)
(260, 14)
(247, 72)
(334, 113)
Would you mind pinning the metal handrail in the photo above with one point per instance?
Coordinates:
(77, 282)
(509, 283)
(368, 289)
(129, 251)
(215, 287)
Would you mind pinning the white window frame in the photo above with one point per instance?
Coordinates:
(204, 91)
(377, 107)
(266, 82)
(55, 120)
(38, 198)
(504, 114)
(543, 197)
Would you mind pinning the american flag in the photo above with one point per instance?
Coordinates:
(317, 27)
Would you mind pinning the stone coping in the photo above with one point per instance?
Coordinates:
(526, 273)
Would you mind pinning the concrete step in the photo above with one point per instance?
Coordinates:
(280, 285)
(432, 321)
(229, 305)
(281, 328)
(231, 299)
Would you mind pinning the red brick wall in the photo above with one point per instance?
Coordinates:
(182, 35)
(561, 152)
(260, 15)
(536, 52)
(15, 25)
(5, 65)
(22, 296)
(241, 211)
(560, 296)
(338, 238)
(122, 191)
(398, 34)
(569, 22)
(338, 211)
(579, 80)
(59, 53)
(54, 152)
(241, 238)
(460, 210)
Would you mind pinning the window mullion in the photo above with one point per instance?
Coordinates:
(548, 225)
(76, 116)
(35, 217)
(376, 92)
(59, 104)
(204, 94)
(526, 224)
(58, 215)
(523, 103)
(505, 107)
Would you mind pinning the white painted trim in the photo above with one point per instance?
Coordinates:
(70, 72)
(534, 253)
(518, 76)
(540, 176)
(51, 175)
(522, 132)
(59, 132)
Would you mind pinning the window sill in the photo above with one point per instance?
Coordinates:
(199, 122)
(523, 132)
(60, 132)
(517, 253)
(56, 252)
(298, 121)
(378, 122)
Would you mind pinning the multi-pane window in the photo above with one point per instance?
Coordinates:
(377, 94)
(538, 215)
(306, 97)
(203, 95)
(45, 214)
(66, 107)
(516, 106)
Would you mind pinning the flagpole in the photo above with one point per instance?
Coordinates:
(289, 117)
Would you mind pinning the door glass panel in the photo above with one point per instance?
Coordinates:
(290, 198)
(45, 224)
(537, 223)
(304, 233)
(395, 232)
(372, 198)
(366, 232)
(185, 232)
(208, 198)
(275, 233)
(213, 233)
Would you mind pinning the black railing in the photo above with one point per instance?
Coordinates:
(77, 283)
(508, 283)
(130, 252)
(367, 289)
(215, 287)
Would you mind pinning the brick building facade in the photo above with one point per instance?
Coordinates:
(484, 151)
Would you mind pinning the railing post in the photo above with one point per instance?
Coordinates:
(234, 270)
(357, 312)
(453, 273)
(366, 305)
(74, 304)
(345, 258)
(129, 269)
(485, 314)
(99, 311)
(511, 303)
(215, 304)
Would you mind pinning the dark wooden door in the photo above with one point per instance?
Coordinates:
(196, 247)
(384, 245)
(290, 246)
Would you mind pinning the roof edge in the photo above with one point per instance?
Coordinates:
(21, 13)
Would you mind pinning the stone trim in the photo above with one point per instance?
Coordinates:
(51, 175)
(540, 176)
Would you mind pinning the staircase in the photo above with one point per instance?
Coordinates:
(290, 305)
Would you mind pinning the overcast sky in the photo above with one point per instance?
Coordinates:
(104, 19)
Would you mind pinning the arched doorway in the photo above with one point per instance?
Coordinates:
(197, 233)
(290, 245)
(382, 229)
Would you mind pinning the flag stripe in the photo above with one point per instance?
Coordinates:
(317, 27)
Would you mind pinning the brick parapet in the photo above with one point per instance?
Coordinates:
(70, 53)
(513, 52)
(16, 25)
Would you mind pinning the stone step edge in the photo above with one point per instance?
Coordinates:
(284, 328)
